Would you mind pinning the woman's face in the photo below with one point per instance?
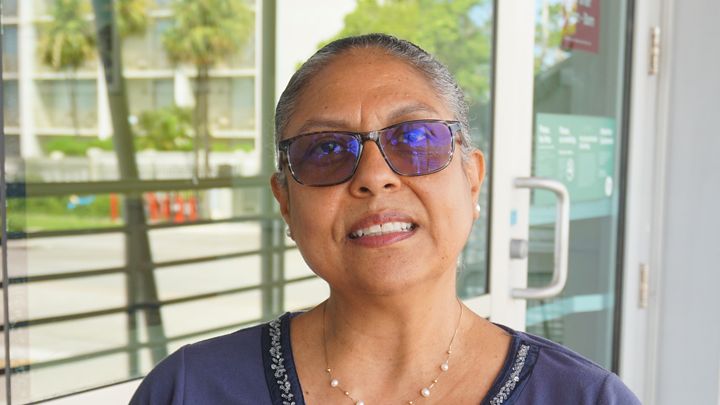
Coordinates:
(365, 90)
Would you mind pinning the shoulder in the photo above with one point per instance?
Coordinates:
(215, 370)
(555, 374)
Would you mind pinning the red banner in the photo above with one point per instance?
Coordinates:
(581, 30)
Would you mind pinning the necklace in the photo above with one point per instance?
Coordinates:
(423, 393)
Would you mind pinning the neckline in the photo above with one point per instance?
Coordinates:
(285, 387)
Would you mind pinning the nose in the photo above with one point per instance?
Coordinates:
(373, 175)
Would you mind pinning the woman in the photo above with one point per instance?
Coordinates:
(378, 183)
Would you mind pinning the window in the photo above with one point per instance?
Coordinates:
(146, 51)
(66, 105)
(149, 94)
(232, 105)
(96, 298)
(11, 103)
(10, 49)
(10, 8)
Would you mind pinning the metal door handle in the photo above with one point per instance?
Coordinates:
(562, 231)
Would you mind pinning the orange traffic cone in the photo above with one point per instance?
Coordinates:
(165, 207)
(153, 206)
(178, 209)
(192, 208)
(114, 207)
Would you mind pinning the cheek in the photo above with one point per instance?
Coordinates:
(454, 212)
(314, 216)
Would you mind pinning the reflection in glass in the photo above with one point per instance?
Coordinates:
(579, 107)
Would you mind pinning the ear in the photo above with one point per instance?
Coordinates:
(280, 191)
(475, 173)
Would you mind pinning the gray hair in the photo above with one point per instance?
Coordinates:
(434, 71)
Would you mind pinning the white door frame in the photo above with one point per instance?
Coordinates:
(510, 156)
(644, 200)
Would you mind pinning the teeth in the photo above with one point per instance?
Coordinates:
(381, 229)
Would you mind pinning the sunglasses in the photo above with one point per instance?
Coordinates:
(411, 148)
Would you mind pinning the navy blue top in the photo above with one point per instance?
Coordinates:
(255, 366)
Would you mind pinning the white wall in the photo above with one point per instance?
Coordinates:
(688, 356)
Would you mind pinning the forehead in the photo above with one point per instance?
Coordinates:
(365, 89)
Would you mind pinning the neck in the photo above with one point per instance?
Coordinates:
(402, 335)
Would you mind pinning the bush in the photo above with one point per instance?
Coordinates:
(165, 129)
(74, 145)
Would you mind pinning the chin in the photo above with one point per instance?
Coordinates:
(393, 280)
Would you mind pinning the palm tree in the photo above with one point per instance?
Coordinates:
(132, 16)
(67, 42)
(205, 32)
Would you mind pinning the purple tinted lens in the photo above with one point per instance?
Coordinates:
(418, 148)
(323, 158)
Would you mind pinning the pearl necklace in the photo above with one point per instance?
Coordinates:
(424, 392)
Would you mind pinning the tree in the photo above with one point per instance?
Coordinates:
(549, 32)
(165, 129)
(67, 42)
(132, 16)
(457, 32)
(205, 32)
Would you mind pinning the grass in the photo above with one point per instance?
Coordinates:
(33, 222)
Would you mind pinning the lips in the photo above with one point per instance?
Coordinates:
(382, 225)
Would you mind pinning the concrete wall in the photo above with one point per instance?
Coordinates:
(689, 330)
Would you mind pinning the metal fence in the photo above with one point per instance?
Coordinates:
(141, 290)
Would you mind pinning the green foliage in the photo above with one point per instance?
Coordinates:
(245, 145)
(73, 145)
(550, 29)
(132, 16)
(49, 213)
(68, 40)
(447, 29)
(165, 129)
(206, 31)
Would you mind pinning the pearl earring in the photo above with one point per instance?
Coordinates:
(477, 208)
(288, 232)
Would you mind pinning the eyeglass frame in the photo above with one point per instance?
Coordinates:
(374, 136)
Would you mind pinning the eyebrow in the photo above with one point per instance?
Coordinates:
(411, 109)
(404, 110)
(317, 123)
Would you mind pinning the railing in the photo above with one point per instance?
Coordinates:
(271, 252)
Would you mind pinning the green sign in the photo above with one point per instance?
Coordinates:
(578, 151)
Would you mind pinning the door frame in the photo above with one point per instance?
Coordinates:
(514, 40)
(644, 191)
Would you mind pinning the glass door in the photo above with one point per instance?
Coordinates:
(560, 105)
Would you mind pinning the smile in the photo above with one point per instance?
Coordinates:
(383, 229)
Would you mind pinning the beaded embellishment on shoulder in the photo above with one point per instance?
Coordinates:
(514, 378)
(278, 363)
